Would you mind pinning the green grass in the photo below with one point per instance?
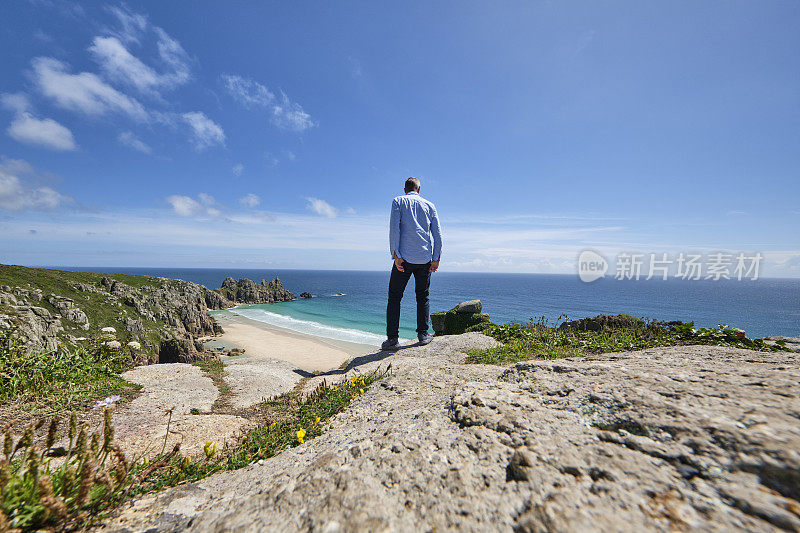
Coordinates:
(49, 383)
(34, 494)
(291, 413)
(101, 310)
(215, 369)
(544, 340)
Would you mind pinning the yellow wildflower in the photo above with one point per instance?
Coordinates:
(316, 421)
(353, 381)
(361, 391)
(210, 449)
(301, 435)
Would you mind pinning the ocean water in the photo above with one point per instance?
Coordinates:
(351, 305)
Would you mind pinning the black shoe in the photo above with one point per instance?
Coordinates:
(391, 345)
(425, 338)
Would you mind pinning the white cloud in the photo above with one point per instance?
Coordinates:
(251, 200)
(238, 169)
(44, 132)
(17, 102)
(186, 206)
(350, 211)
(321, 207)
(284, 112)
(290, 115)
(131, 25)
(248, 92)
(131, 141)
(26, 128)
(206, 199)
(19, 192)
(120, 65)
(205, 132)
(172, 54)
(84, 92)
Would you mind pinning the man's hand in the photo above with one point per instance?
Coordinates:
(434, 266)
(398, 263)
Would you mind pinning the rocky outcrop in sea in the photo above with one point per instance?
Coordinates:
(246, 291)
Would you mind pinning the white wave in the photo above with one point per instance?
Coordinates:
(309, 327)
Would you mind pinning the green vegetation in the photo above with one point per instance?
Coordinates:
(51, 383)
(94, 475)
(454, 323)
(100, 308)
(545, 340)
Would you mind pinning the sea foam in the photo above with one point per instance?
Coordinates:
(309, 327)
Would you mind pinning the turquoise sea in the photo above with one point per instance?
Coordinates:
(350, 305)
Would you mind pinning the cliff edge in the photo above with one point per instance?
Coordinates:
(674, 438)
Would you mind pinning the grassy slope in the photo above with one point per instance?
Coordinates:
(100, 309)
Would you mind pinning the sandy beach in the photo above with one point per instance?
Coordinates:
(260, 340)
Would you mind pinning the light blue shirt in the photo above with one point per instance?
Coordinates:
(414, 231)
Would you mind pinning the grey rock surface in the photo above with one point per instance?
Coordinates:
(141, 426)
(793, 343)
(667, 439)
(469, 307)
(247, 291)
(252, 380)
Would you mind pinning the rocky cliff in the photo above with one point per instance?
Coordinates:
(48, 308)
(676, 438)
(246, 291)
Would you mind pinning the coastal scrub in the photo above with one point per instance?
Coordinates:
(52, 382)
(543, 339)
(75, 474)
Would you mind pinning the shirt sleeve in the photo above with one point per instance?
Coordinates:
(394, 230)
(436, 232)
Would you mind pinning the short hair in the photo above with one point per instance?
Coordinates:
(412, 184)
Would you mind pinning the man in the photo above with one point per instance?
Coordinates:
(415, 243)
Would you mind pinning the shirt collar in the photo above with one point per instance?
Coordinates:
(412, 192)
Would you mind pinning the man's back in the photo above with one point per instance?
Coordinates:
(414, 230)
(415, 243)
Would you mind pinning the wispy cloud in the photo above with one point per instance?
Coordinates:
(19, 191)
(237, 169)
(130, 25)
(321, 207)
(187, 206)
(28, 129)
(84, 92)
(205, 132)
(120, 65)
(284, 113)
(130, 140)
(112, 53)
(251, 200)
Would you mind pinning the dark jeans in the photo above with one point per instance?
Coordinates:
(397, 285)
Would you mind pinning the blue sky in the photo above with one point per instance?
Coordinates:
(266, 134)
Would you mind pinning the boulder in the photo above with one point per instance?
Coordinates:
(469, 307)
(305, 295)
(460, 319)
